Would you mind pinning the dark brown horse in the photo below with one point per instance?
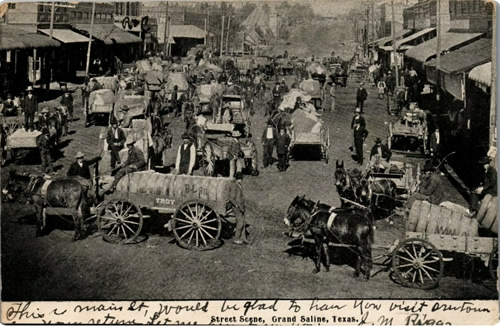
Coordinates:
(62, 197)
(350, 227)
(350, 185)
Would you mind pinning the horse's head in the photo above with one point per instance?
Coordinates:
(14, 186)
(294, 214)
(363, 192)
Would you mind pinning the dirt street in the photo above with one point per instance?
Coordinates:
(54, 267)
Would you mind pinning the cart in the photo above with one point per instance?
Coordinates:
(196, 205)
(409, 134)
(313, 88)
(101, 103)
(204, 93)
(240, 114)
(404, 175)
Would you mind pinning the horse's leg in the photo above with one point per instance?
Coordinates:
(327, 257)
(358, 265)
(319, 250)
(40, 220)
(365, 251)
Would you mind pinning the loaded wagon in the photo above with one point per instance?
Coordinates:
(136, 106)
(313, 88)
(404, 175)
(101, 103)
(240, 115)
(409, 133)
(197, 207)
(176, 79)
(204, 93)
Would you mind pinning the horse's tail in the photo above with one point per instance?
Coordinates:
(83, 208)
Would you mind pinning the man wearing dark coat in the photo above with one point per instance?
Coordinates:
(430, 187)
(80, 170)
(67, 101)
(282, 145)
(359, 135)
(380, 155)
(269, 137)
(115, 137)
(186, 156)
(135, 162)
(30, 106)
(358, 118)
(361, 96)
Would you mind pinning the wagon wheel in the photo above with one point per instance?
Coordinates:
(493, 264)
(196, 226)
(208, 160)
(417, 263)
(119, 221)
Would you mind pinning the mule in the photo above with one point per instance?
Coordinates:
(348, 184)
(347, 226)
(43, 194)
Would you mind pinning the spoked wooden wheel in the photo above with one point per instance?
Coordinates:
(208, 160)
(493, 264)
(196, 226)
(119, 221)
(417, 263)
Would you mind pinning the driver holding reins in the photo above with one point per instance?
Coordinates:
(380, 155)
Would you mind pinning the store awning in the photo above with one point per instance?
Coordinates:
(387, 39)
(424, 51)
(413, 37)
(465, 58)
(65, 35)
(109, 33)
(481, 74)
(182, 31)
(12, 38)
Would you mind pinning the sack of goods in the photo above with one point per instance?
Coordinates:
(290, 99)
(311, 87)
(316, 68)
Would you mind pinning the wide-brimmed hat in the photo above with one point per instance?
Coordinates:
(125, 108)
(130, 141)
(378, 140)
(79, 155)
(358, 110)
(236, 133)
(29, 89)
(185, 136)
(485, 160)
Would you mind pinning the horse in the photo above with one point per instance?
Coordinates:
(346, 226)
(383, 197)
(349, 185)
(63, 193)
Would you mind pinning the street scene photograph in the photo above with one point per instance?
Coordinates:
(225, 150)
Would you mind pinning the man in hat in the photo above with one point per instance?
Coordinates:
(380, 155)
(44, 147)
(358, 118)
(359, 135)
(9, 108)
(135, 162)
(282, 146)
(30, 107)
(361, 96)
(283, 87)
(435, 144)
(269, 137)
(80, 170)
(115, 138)
(67, 101)
(43, 119)
(429, 189)
(488, 186)
(276, 95)
(236, 156)
(299, 104)
(186, 156)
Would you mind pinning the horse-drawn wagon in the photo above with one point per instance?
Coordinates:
(240, 116)
(313, 88)
(409, 134)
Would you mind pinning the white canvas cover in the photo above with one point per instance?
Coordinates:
(311, 87)
(179, 79)
(290, 99)
(102, 97)
(316, 68)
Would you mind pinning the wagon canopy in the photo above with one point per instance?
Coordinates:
(110, 82)
(306, 122)
(102, 97)
(205, 92)
(289, 99)
(182, 188)
(154, 78)
(311, 87)
(179, 79)
(136, 104)
(317, 68)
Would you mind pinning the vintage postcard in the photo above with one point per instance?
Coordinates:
(276, 162)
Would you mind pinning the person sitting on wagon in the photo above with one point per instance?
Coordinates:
(227, 115)
(488, 186)
(80, 170)
(186, 156)
(9, 107)
(429, 188)
(126, 119)
(236, 156)
(43, 119)
(135, 162)
(380, 155)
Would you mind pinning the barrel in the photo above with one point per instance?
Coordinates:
(487, 214)
(435, 219)
(181, 187)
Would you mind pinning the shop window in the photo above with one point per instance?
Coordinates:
(86, 15)
(12, 6)
(79, 15)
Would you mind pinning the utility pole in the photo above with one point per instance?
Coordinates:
(227, 36)
(493, 95)
(208, 22)
(438, 51)
(90, 40)
(222, 35)
(373, 30)
(165, 40)
(169, 47)
(52, 10)
(205, 38)
(367, 25)
(393, 32)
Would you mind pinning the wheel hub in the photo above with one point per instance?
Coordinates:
(196, 224)
(119, 220)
